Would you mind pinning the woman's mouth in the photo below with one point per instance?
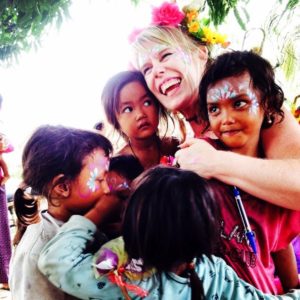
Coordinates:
(169, 85)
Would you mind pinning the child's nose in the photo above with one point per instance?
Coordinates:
(140, 113)
(227, 117)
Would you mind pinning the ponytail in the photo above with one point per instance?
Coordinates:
(26, 208)
(196, 284)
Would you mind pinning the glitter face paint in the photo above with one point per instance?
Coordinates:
(228, 92)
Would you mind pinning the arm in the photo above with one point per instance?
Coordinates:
(67, 265)
(4, 168)
(273, 180)
(230, 286)
(288, 275)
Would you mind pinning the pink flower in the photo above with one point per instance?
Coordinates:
(133, 35)
(168, 14)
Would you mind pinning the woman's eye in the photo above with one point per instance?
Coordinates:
(165, 55)
(146, 70)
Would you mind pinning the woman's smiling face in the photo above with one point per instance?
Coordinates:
(173, 75)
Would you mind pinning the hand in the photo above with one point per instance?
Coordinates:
(199, 156)
(107, 208)
(4, 180)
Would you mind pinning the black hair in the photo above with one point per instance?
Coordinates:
(50, 151)
(171, 218)
(99, 126)
(127, 165)
(262, 78)
(111, 96)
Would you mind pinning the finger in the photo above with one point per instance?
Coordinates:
(187, 143)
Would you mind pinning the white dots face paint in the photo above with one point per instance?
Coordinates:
(222, 93)
(92, 180)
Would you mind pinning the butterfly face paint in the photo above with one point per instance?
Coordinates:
(95, 173)
(228, 91)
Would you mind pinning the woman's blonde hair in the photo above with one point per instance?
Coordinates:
(162, 35)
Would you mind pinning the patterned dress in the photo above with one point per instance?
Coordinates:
(5, 241)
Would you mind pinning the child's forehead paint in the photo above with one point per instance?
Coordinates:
(101, 163)
(223, 92)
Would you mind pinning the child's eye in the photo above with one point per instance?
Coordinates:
(127, 109)
(240, 103)
(148, 103)
(213, 110)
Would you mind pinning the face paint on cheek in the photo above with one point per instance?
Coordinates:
(185, 57)
(92, 180)
(152, 52)
(100, 164)
(222, 93)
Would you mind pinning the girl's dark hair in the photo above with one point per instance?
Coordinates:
(127, 165)
(261, 74)
(50, 151)
(111, 96)
(171, 218)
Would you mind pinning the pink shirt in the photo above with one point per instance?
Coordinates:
(275, 228)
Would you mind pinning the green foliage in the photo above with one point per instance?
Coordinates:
(22, 23)
(239, 19)
(289, 65)
(219, 9)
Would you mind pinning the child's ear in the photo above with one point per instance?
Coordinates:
(61, 187)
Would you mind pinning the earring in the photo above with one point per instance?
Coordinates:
(269, 119)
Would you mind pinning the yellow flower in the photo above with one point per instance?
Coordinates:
(194, 26)
(191, 15)
(209, 36)
(221, 39)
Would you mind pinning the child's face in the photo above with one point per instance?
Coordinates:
(172, 75)
(90, 184)
(235, 113)
(138, 114)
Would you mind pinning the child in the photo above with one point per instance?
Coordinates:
(5, 241)
(239, 97)
(170, 229)
(134, 112)
(123, 169)
(67, 167)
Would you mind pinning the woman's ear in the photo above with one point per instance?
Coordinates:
(203, 52)
(61, 186)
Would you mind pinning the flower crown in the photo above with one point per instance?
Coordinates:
(169, 14)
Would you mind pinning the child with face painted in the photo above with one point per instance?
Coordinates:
(67, 168)
(135, 114)
(171, 55)
(169, 234)
(238, 98)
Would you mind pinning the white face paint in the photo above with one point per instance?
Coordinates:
(229, 91)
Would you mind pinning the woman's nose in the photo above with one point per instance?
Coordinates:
(159, 69)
